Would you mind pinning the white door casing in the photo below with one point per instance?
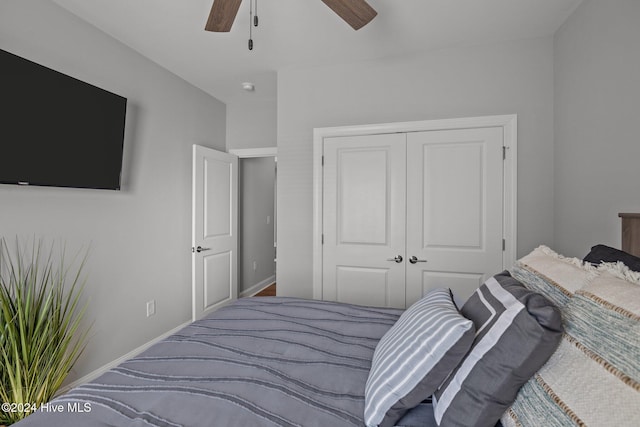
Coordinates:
(214, 230)
(480, 222)
(364, 215)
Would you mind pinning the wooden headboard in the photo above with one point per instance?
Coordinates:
(631, 233)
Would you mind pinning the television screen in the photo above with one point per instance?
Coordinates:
(56, 130)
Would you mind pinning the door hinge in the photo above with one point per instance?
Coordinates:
(322, 160)
(504, 245)
(504, 152)
(322, 239)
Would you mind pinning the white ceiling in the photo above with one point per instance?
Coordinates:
(306, 33)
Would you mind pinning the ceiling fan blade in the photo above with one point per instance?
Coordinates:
(356, 13)
(223, 13)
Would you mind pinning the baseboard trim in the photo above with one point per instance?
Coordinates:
(258, 287)
(101, 370)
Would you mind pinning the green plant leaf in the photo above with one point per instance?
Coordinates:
(41, 318)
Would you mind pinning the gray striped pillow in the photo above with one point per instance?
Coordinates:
(517, 331)
(415, 356)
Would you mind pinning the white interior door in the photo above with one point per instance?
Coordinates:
(364, 220)
(215, 230)
(454, 210)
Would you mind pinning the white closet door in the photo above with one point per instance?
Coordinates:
(454, 210)
(364, 220)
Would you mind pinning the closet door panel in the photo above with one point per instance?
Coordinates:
(454, 209)
(363, 194)
(364, 219)
(452, 195)
(363, 285)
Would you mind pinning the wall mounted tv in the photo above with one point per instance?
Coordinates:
(56, 130)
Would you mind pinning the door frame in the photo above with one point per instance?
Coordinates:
(510, 129)
(251, 153)
(247, 153)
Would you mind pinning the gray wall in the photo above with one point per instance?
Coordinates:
(251, 123)
(515, 77)
(140, 236)
(257, 199)
(251, 116)
(597, 106)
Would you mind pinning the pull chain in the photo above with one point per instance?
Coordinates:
(250, 26)
(255, 16)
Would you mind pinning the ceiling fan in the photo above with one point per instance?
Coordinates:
(356, 13)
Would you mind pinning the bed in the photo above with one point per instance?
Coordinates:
(261, 361)
(545, 340)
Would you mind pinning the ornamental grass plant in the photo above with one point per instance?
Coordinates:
(41, 336)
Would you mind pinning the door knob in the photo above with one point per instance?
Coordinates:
(200, 249)
(397, 259)
(414, 259)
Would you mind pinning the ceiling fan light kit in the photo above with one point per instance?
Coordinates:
(356, 13)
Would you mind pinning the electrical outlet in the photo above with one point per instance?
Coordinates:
(151, 308)
(268, 219)
(255, 266)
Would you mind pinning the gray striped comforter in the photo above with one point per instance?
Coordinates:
(257, 362)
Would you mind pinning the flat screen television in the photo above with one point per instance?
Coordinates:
(56, 130)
